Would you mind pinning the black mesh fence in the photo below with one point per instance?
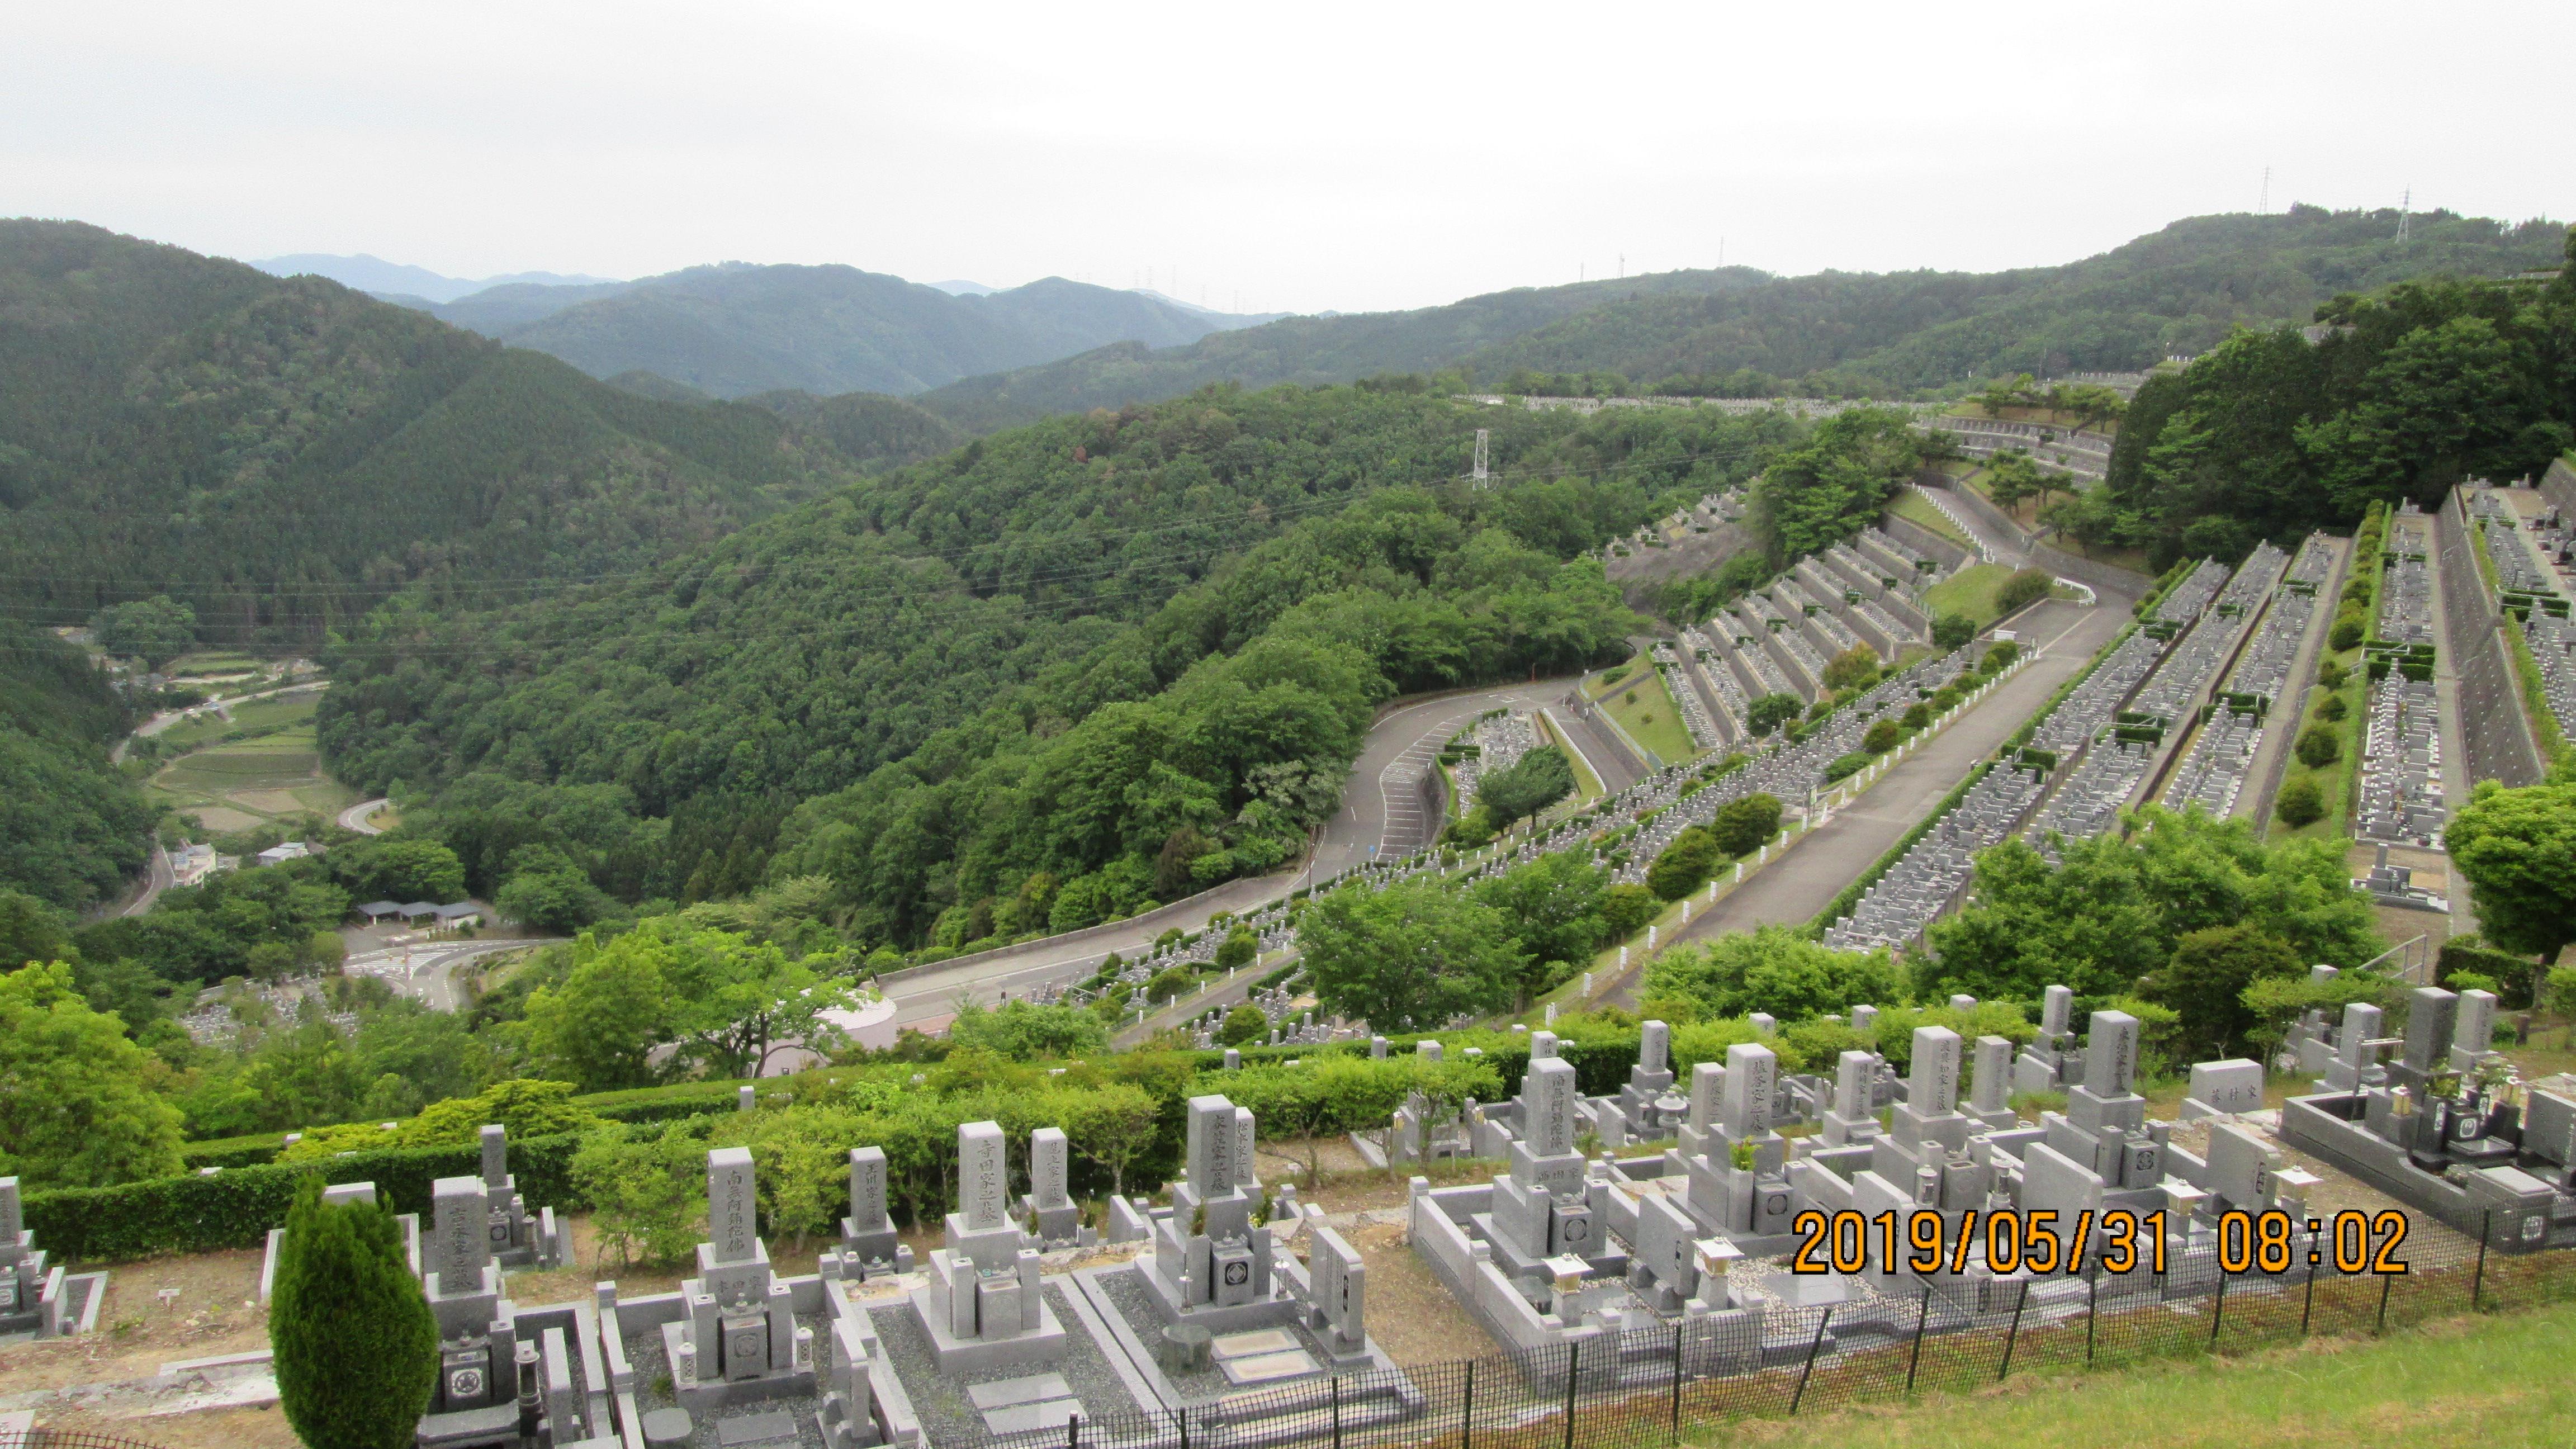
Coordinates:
(1654, 1386)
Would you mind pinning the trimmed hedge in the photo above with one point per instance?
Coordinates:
(235, 1208)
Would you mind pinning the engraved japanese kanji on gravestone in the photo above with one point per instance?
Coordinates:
(739, 1341)
(1748, 1198)
(1541, 1208)
(984, 1306)
(1207, 1254)
(1055, 1219)
(869, 1246)
(477, 1327)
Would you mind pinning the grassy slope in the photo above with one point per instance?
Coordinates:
(1651, 718)
(2490, 1381)
(1970, 591)
(1915, 508)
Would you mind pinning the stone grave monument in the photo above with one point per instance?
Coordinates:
(478, 1340)
(1210, 1263)
(1738, 1188)
(1053, 1218)
(1541, 1208)
(518, 1241)
(869, 1247)
(739, 1340)
(983, 1306)
(42, 1301)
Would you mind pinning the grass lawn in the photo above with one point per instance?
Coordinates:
(1970, 591)
(258, 714)
(1913, 507)
(2337, 779)
(2491, 1380)
(1645, 709)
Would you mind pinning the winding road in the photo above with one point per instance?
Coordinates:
(1382, 817)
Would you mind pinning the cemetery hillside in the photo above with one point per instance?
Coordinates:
(776, 856)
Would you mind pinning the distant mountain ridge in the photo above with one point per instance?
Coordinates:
(735, 330)
(2179, 289)
(374, 274)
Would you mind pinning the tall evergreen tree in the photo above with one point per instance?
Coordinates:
(357, 1349)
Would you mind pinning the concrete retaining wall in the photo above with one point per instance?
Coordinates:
(2495, 729)
(1914, 535)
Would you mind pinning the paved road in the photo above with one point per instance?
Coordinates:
(1792, 889)
(426, 973)
(355, 817)
(157, 877)
(1381, 807)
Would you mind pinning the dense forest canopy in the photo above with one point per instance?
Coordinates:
(2413, 389)
(280, 453)
(966, 654)
(71, 827)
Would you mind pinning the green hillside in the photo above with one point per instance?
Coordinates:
(1742, 332)
(1139, 643)
(734, 329)
(869, 428)
(1307, 350)
(71, 827)
(282, 452)
(2179, 290)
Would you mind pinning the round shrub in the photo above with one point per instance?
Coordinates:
(1918, 716)
(2024, 588)
(2301, 803)
(2347, 632)
(1881, 737)
(2332, 709)
(2319, 746)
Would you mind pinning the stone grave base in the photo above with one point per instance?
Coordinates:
(977, 1355)
(82, 1294)
(697, 1398)
(1518, 1264)
(1237, 1318)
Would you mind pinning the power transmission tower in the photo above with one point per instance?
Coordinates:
(1480, 477)
(2264, 206)
(2405, 214)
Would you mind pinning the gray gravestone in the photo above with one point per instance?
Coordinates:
(868, 1189)
(2057, 1010)
(1547, 1107)
(460, 1216)
(1654, 1046)
(1211, 1146)
(1708, 1080)
(1752, 1074)
(1542, 1044)
(1049, 1153)
(1991, 1088)
(1932, 1081)
(2473, 1035)
(2111, 1054)
(496, 1156)
(733, 1208)
(983, 1175)
(1243, 1139)
(2430, 1013)
(1852, 1071)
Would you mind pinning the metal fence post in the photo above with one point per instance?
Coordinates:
(1801, 1394)
(2478, 1284)
(1573, 1356)
(2013, 1335)
(2308, 1307)
(1073, 1432)
(2386, 1282)
(1467, 1408)
(1337, 1411)
(1677, 1383)
(1184, 1416)
(2218, 1308)
(1921, 1320)
(2092, 1313)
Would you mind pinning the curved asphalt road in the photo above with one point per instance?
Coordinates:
(1381, 808)
(355, 817)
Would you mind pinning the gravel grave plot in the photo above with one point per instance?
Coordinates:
(949, 1416)
(653, 1389)
(1135, 1303)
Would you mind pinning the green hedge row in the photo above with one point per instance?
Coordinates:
(236, 1207)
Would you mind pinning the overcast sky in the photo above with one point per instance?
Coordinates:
(1283, 157)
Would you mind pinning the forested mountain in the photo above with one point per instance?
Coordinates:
(71, 827)
(1129, 653)
(738, 329)
(2416, 387)
(1309, 350)
(2178, 290)
(282, 452)
(869, 428)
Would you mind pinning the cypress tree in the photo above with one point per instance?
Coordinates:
(357, 1349)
